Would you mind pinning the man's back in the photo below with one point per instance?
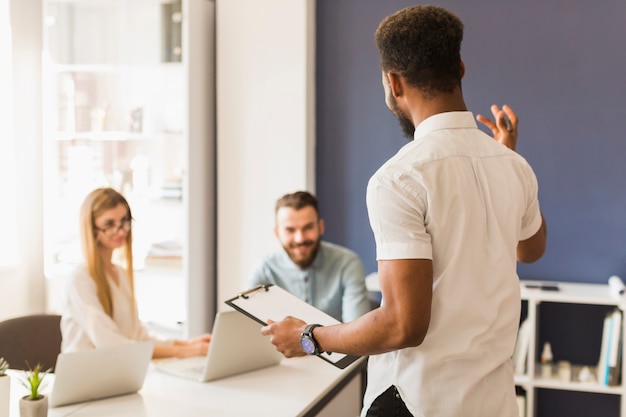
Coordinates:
(472, 194)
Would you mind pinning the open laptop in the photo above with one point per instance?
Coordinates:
(237, 346)
(93, 374)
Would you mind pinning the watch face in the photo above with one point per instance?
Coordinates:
(307, 345)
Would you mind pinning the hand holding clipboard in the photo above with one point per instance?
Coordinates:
(270, 302)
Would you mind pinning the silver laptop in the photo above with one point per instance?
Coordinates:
(237, 346)
(100, 373)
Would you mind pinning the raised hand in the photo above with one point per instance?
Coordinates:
(504, 129)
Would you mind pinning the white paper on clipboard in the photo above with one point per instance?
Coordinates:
(270, 302)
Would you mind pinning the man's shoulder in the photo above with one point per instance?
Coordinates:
(275, 260)
(333, 249)
(275, 256)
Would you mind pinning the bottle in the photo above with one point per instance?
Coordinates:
(564, 371)
(546, 361)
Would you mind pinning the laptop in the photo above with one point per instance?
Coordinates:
(237, 346)
(94, 374)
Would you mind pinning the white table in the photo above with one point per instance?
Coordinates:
(305, 386)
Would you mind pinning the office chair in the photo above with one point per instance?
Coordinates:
(28, 340)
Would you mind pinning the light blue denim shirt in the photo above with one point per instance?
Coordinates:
(334, 283)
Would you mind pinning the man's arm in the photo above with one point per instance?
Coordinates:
(533, 248)
(402, 321)
(404, 317)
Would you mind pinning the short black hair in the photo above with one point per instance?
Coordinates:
(423, 45)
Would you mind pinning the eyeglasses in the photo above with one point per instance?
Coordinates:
(113, 229)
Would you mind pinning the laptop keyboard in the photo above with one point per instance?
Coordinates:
(196, 369)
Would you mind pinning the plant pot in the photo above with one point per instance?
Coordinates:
(34, 408)
(5, 395)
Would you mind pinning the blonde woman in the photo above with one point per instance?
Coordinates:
(101, 308)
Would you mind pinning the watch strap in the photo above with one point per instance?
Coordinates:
(308, 333)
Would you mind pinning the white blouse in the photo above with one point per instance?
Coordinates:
(85, 325)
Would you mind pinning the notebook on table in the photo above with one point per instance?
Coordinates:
(237, 346)
(100, 373)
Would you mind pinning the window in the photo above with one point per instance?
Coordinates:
(8, 209)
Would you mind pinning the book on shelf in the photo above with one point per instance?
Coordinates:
(614, 359)
(609, 364)
(166, 254)
(520, 354)
(606, 330)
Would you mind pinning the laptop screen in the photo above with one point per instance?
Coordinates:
(100, 373)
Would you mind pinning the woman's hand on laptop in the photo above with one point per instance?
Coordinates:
(198, 346)
(205, 338)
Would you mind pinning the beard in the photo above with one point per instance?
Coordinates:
(303, 262)
(406, 124)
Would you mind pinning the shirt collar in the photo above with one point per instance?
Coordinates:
(447, 120)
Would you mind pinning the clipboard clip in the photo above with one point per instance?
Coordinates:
(246, 294)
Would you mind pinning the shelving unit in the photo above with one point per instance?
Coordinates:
(115, 115)
(568, 293)
(128, 102)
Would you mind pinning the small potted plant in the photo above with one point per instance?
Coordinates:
(5, 388)
(35, 404)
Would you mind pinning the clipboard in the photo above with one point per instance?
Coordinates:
(270, 302)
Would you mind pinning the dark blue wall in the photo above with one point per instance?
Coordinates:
(559, 64)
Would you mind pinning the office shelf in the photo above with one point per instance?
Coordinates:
(115, 114)
(567, 294)
(126, 104)
(115, 136)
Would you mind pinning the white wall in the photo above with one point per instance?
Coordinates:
(265, 125)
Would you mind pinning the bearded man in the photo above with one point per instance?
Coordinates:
(325, 275)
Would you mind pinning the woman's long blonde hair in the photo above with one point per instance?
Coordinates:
(97, 202)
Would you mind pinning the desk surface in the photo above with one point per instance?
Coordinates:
(294, 388)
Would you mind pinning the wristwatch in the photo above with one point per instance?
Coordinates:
(309, 345)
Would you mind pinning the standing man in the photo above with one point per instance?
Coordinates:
(328, 276)
(452, 212)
